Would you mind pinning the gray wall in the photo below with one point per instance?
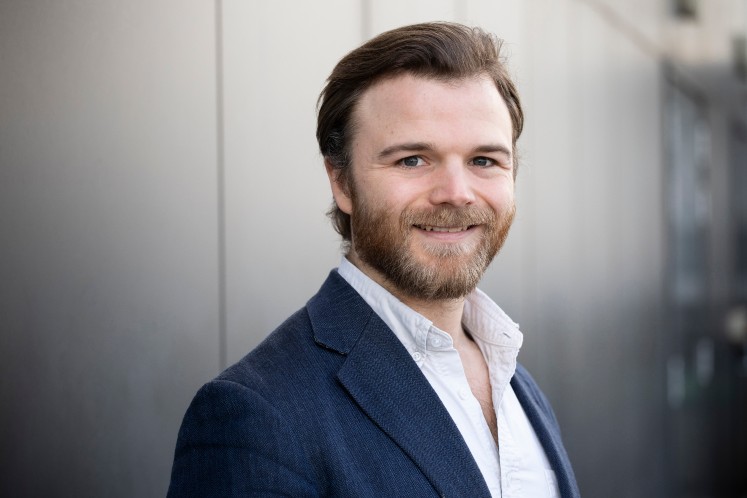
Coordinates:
(162, 209)
(109, 272)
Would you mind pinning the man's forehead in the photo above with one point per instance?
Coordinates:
(417, 97)
(417, 79)
(388, 89)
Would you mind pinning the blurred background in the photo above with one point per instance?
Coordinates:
(162, 209)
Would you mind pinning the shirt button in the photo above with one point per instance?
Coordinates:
(463, 393)
(437, 342)
(417, 356)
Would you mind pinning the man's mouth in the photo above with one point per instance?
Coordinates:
(429, 228)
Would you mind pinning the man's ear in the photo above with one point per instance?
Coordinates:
(340, 191)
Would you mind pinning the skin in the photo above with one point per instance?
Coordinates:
(421, 144)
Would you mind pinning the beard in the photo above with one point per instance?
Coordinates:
(384, 241)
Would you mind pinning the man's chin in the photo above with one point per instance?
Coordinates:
(444, 256)
(442, 278)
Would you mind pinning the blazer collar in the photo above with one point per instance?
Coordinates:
(388, 386)
(338, 314)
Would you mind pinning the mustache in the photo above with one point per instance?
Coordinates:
(446, 216)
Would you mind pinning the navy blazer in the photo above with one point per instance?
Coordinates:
(332, 404)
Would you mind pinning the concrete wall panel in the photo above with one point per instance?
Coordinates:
(279, 244)
(108, 219)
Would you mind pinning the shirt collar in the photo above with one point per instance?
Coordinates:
(485, 320)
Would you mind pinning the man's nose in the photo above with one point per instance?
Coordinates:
(451, 184)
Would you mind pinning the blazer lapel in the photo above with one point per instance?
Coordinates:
(385, 382)
(540, 415)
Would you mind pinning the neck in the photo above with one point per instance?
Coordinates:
(446, 314)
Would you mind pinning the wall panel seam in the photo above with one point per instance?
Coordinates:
(220, 186)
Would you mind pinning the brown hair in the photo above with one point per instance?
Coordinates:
(440, 50)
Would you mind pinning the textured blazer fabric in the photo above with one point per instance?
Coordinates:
(331, 404)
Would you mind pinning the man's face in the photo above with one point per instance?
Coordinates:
(431, 189)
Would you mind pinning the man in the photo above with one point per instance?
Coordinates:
(399, 378)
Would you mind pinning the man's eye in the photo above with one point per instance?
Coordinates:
(411, 161)
(483, 162)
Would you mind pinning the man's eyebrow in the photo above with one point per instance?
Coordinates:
(405, 147)
(493, 148)
(425, 147)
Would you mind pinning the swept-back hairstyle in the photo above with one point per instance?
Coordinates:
(439, 50)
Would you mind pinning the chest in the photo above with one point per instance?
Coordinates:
(478, 377)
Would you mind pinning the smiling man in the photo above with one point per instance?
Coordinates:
(399, 377)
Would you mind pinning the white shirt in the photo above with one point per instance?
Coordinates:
(518, 466)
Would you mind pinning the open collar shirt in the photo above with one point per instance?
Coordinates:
(517, 466)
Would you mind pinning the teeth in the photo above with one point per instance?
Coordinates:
(428, 228)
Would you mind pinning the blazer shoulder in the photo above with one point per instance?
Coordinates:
(230, 430)
(288, 356)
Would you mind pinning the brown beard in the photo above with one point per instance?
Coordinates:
(452, 271)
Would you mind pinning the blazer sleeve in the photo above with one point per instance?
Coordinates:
(232, 442)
